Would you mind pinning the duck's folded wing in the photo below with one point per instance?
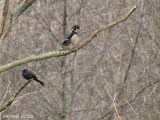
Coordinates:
(66, 41)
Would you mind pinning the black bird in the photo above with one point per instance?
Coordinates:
(72, 38)
(30, 75)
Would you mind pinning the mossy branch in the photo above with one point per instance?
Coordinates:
(63, 53)
(8, 17)
(15, 95)
(21, 8)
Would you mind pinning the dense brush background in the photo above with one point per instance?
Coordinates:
(94, 75)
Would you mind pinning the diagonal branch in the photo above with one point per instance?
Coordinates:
(81, 6)
(21, 8)
(5, 29)
(15, 95)
(133, 52)
(4, 17)
(63, 53)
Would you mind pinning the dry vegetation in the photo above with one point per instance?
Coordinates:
(114, 77)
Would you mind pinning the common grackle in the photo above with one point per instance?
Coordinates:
(30, 75)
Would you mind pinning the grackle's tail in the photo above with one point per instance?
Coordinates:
(35, 78)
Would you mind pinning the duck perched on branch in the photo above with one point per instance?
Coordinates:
(71, 38)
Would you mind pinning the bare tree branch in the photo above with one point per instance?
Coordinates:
(123, 3)
(81, 6)
(21, 8)
(47, 27)
(133, 50)
(16, 94)
(4, 17)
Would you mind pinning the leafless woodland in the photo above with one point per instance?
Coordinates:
(113, 77)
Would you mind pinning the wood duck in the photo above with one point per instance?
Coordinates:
(71, 38)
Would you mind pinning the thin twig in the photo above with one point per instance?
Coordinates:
(81, 6)
(149, 96)
(47, 25)
(123, 3)
(115, 104)
(21, 97)
(6, 92)
(132, 108)
(133, 50)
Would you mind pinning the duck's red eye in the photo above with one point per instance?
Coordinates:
(78, 27)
